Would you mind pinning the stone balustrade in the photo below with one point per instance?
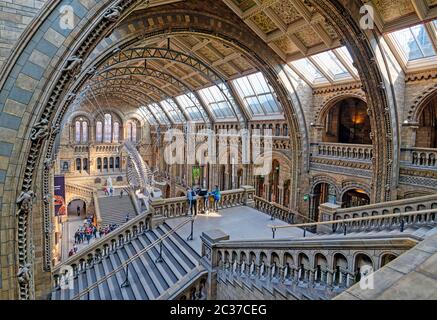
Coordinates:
(360, 152)
(79, 190)
(390, 207)
(95, 252)
(275, 210)
(328, 266)
(420, 157)
(179, 207)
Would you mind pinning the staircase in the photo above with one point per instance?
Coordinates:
(113, 209)
(147, 278)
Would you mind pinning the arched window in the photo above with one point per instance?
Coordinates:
(78, 164)
(285, 130)
(111, 163)
(116, 132)
(105, 163)
(85, 164)
(132, 131)
(108, 128)
(99, 164)
(117, 163)
(99, 131)
(84, 131)
(77, 132)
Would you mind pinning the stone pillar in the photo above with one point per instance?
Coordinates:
(326, 213)
(210, 261)
(248, 200)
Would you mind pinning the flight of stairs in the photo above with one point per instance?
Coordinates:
(113, 209)
(148, 279)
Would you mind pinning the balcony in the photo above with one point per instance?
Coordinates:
(420, 157)
(356, 152)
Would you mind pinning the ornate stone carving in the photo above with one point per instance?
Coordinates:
(24, 274)
(40, 130)
(73, 65)
(24, 202)
(113, 14)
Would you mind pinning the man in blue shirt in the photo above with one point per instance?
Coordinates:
(192, 201)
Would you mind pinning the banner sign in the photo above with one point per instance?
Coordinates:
(59, 196)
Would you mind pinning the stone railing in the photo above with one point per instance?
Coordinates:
(334, 212)
(277, 211)
(179, 207)
(360, 152)
(101, 248)
(107, 148)
(420, 157)
(79, 190)
(300, 265)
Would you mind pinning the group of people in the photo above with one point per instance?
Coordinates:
(209, 199)
(109, 191)
(89, 231)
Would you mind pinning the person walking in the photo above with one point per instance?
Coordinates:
(121, 193)
(127, 217)
(78, 211)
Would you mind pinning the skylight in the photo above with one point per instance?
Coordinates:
(158, 113)
(215, 99)
(173, 111)
(414, 42)
(191, 108)
(146, 113)
(330, 63)
(257, 95)
(308, 70)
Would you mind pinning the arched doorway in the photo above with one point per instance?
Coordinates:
(426, 135)
(355, 198)
(347, 121)
(323, 193)
(167, 191)
(77, 208)
(274, 182)
(286, 197)
(259, 186)
(387, 258)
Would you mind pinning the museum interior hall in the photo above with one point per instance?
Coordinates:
(218, 149)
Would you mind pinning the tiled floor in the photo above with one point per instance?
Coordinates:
(240, 223)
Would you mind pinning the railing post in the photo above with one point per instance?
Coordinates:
(344, 229)
(126, 280)
(304, 231)
(402, 224)
(274, 232)
(159, 259)
(190, 237)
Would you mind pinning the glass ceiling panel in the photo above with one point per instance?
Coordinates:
(330, 63)
(414, 42)
(192, 109)
(214, 98)
(173, 111)
(257, 95)
(344, 52)
(308, 70)
(158, 113)
(145, 112)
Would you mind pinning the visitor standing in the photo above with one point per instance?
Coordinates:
(217, 197)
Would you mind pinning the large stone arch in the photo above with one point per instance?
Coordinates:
(365, 50)
(43, 102)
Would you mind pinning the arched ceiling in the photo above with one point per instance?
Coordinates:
(291, 28)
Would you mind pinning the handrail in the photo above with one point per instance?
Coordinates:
(126, 226)
(131, 259)
(279, 206)
(393, 215)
